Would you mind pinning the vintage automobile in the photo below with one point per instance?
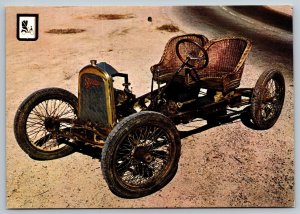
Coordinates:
(140, 144)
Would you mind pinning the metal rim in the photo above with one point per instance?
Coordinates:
(41, 123)
(143, 156)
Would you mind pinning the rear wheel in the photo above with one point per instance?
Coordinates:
(35, 122)
(267, 99)
(141, 155)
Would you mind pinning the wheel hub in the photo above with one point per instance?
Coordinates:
(51, 124)
(141, 154)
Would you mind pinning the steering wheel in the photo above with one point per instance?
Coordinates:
(190, 50)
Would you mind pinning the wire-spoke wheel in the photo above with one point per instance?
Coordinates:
(141, 155)
(36, 123)
(267, 99)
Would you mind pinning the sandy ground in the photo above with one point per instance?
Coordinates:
(226, 166)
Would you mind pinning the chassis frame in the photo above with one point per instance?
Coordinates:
(137, 135)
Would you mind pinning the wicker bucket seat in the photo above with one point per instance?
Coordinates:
(226, 64)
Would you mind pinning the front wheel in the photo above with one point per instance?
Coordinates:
(34, 123)
(141, 155)
(267, 99)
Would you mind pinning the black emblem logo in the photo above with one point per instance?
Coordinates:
(27, 27)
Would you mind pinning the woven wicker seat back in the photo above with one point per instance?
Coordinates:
(226, 63)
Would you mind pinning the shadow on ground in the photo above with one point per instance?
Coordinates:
(244, 118)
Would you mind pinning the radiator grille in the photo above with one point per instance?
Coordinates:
(93, 99)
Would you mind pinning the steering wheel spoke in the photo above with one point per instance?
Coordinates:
(192, 54)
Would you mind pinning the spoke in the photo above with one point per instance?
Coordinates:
(159, 154)
(148, 172)
(124, 153)
(271, 100)
(126, 146)
(55, 110)
(124, 166)
(38, 114)
(34, 130)
(142, 132)
(30, 124)
(50, 106)
(31, 120)
(42, 140)
(47, 109)
(158, 144)
(44, 105)
(132, 139)
(144, 171)
(147, 132)
(30, 133)
(35, 134)
(66, 113)
(40, 107)
(138, 169)
(63, 111)
(156, 134)
(137, 134)
(267, 94)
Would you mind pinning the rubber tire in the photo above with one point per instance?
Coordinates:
(21, 118)
(121, 129)
(256, 98)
